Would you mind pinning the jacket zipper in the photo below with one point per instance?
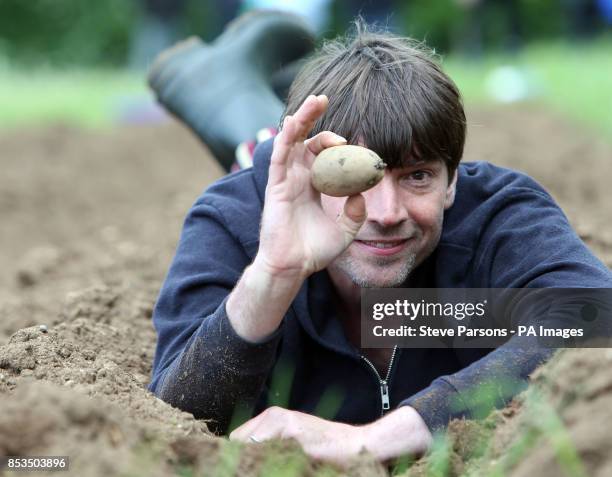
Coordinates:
(384, 387)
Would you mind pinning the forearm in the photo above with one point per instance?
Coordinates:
(502, 374)
(217, 371)
(260, 300)
(408, 430)
(229, 357)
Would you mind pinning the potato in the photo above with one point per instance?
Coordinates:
(346, 170)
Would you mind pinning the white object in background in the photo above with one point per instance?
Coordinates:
(508, 84)
(315, 12)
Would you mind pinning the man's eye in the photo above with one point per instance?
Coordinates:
(420, 175)
(418, 178)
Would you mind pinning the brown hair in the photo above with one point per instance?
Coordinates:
(388, 92)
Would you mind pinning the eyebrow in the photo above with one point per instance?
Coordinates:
(414, 162)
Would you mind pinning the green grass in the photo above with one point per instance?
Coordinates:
(86, 98)
(574, 80)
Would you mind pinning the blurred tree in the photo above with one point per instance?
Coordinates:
(87, 33)
(480, 25)
(65, 32)
(438, 23)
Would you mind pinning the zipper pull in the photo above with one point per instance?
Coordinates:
(384, 395)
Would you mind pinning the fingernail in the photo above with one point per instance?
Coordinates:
(340, 138)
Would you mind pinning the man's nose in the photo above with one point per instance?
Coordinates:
(383, 203)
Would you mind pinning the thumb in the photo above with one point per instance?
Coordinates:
(353, 216)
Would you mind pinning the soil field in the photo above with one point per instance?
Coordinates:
(90, 221)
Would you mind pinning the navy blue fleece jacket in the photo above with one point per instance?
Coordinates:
(503, 231)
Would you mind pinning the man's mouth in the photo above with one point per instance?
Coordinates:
(382, 247)
(384, 244)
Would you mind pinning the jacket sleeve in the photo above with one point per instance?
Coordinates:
(201, 365)
(528, 243)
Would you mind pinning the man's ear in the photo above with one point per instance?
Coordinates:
(450, 192)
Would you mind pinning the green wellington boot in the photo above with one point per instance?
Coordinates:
(222, 91)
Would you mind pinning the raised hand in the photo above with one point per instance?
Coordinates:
(297, 237)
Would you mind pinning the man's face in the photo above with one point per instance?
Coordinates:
(404, 224)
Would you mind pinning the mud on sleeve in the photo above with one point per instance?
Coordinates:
(217, 371)
(201, 365)
(489, 382)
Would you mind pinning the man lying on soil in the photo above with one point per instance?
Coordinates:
(269, 271)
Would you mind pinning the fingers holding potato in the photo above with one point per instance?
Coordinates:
(342, 171)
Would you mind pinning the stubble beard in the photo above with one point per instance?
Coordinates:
(369, 275)
(372, 273)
